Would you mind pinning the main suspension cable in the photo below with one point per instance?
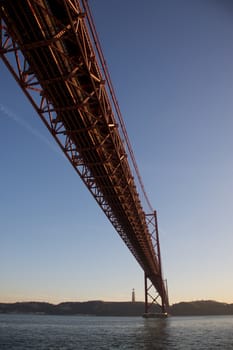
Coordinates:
(113, 96)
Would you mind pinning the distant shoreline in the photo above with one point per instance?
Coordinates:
(102, 308)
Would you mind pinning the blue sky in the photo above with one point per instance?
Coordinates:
(171, 66)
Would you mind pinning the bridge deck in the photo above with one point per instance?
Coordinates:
(61, 64)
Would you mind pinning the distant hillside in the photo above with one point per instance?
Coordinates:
(101, 308)
(26, 307)
(98, 308)
(199, 308)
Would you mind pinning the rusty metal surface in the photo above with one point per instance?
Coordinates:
(48, 47)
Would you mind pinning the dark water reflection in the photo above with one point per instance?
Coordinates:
(156, 334)
(24, 332)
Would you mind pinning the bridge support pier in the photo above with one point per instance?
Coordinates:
(156, 303)
(153, 308)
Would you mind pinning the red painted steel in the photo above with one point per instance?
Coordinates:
(152, 223)
(51, 49)
(113, 96)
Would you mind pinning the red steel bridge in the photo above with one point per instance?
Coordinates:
(52, 50)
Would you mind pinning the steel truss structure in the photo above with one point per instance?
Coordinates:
(49, 48)
(152, 296)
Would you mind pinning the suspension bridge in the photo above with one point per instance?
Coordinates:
(52, 49)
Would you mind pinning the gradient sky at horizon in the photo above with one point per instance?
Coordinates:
(171, 66)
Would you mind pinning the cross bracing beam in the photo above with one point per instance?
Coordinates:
(47, 47)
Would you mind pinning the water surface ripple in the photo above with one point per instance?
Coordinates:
(24, 332)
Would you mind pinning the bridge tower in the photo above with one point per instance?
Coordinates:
(152, 295)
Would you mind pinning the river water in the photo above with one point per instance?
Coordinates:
(24, 332)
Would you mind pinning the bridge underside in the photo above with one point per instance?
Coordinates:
(49, 48)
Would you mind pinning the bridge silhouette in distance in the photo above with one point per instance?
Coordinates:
(52, 49)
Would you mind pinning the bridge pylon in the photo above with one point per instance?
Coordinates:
(152, 296)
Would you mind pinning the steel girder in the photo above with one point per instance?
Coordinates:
(47, 48)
